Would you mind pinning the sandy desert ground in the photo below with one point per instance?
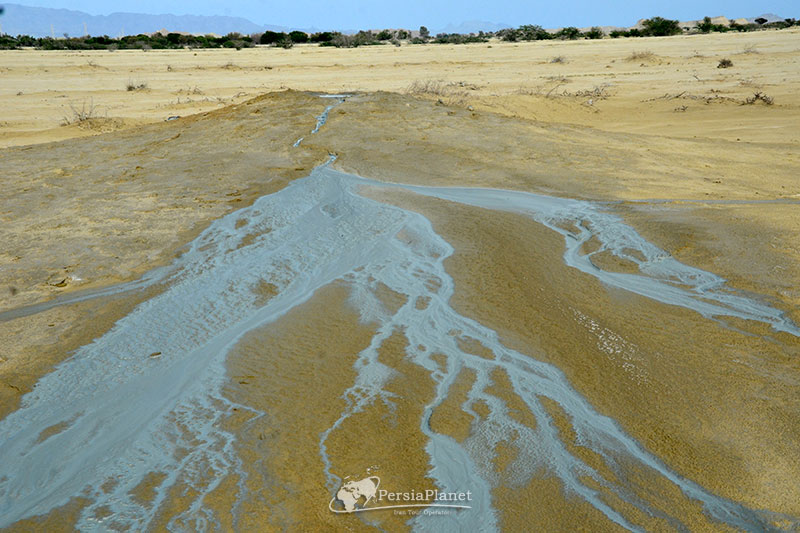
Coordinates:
(703, 407)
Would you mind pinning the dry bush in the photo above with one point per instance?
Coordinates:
(768, 100)
(551, 90)
(84, 113)
(190, 90)
(450, 93)
(641, 55)
(750, 49)
(559, 59)
(715, 97)
(435, 87)
(547, 89)
(598, 92)
(135, 85)
(725, 63)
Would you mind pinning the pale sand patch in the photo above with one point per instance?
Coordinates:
(428, 144)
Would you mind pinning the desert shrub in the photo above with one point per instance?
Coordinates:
(131, 85)
(341, 40)
(457, 38)
(570, 33)
(102, 40)
(26, 40)
(533, 32)
(595, 32)
(759, 96)
(598, 92)
(659, 27)
(558, 59)
(427, 87)
(321, 37)
(706, 26)
(8, 43)
(511, 35)
(450, 93)
(174, 38)
(77, 115)
(272, 37)
(725, 63)
(640, 55)
(298, 36)
(237, 44)
(741, 27)
(362, 38)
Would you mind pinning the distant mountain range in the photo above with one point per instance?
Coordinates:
(770, 17)
(43, 22)
(473, 26)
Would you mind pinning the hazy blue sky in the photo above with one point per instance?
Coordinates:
(344, 14)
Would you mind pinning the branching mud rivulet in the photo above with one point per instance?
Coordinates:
(408, 328)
